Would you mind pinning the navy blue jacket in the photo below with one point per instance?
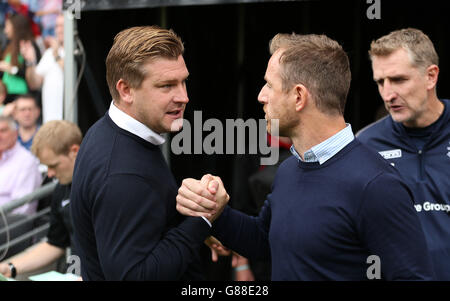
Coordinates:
(323, 222)
(427, 172)
(123, 202)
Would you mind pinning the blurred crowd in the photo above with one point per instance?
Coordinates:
(31, 90)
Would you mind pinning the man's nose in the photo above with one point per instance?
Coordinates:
(262, 96)
(181, 95)
(387, 92)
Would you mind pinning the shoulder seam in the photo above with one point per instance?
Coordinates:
(371, 125)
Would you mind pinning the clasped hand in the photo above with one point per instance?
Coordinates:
(206, 197)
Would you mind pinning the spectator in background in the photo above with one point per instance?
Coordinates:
(48, 13)
(415, 136)
(48, 73)
(56, 145)
(17, 7)
(33, 7)
(19, 172)
(26, 114)
(12, 64)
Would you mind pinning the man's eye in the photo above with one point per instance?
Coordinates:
(166, 86)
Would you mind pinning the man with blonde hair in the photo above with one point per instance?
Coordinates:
(415, 137)
(56, 144)
(123, 194)
(335, 205)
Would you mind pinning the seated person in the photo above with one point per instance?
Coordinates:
(56, 145)
(19, 169)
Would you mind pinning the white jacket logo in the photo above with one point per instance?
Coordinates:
(391, 154)
(448, 149)
(427, 206)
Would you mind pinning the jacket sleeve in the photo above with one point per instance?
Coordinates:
(247, 235)
(390, 228)
(133, 239)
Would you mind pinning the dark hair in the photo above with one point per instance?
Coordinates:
(21, 26)
(27, 96)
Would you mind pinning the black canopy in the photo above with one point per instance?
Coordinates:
(130, 4)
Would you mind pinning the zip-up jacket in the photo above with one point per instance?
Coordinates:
(424, 164)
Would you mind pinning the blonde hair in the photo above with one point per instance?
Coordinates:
(317, 62)
(132, 48)
(58, 135)
(414, 41)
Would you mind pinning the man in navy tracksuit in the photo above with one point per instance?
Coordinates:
(415, 137)
(336, 206)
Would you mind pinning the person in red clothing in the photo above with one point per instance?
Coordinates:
(17, 7)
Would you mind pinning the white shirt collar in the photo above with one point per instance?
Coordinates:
(128, 123)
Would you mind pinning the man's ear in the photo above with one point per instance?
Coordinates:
(73, 151)
(125, 91)
(432, 76)
(301, 97)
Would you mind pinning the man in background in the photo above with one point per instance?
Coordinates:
(415, 137)
(26, 113)
(56, 144)
(19, 169)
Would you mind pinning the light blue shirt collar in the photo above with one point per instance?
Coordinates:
(325, 150)
(128, 123)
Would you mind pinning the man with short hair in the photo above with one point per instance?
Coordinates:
(415, 137)
(123, 194)
(19, 169)
(26, 113)
(56, 144)
(335, 205)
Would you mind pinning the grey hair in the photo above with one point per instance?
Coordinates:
(11, 122)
